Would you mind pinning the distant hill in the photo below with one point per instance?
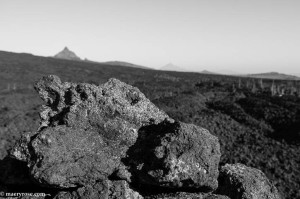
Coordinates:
(227, 72)
(121, 63)
(70, 55)
(297, 74)
(208, 72)
(67, 54)
(172, 67)
(274, 75)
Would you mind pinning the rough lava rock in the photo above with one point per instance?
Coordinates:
(241, 182)
(85, 131)
(86, 105)
(176, 155)
(109, 141)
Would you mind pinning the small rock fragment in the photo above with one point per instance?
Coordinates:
(102, 190)
(241, 182)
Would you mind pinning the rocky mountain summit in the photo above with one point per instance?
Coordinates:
(67, 54)
(109, 141)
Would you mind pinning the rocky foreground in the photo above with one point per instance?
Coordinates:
(110, 141)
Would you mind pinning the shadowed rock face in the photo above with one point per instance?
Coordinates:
(176, 155)
(241, 182)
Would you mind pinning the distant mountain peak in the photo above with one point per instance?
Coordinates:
(208, 72)
(67, 54)
(171, 67)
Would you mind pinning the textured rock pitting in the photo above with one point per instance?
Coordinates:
(84, 105)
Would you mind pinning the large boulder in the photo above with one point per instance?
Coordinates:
(67, 157)
(241, 182)
(85, 131)
(175, 155)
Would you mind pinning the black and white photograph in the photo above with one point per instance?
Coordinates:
(150, 99)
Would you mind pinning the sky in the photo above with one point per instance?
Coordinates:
(239, 36)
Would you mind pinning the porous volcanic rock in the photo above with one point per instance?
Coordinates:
(102, 190)
(175, 155)
(241, 182)
(110, 142)
(85, 131)
(86, 105)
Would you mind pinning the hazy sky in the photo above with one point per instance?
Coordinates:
(244, 36)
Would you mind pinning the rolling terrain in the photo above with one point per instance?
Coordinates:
(274, 75)
(121, 63)
(257, 120)
(67, 54)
